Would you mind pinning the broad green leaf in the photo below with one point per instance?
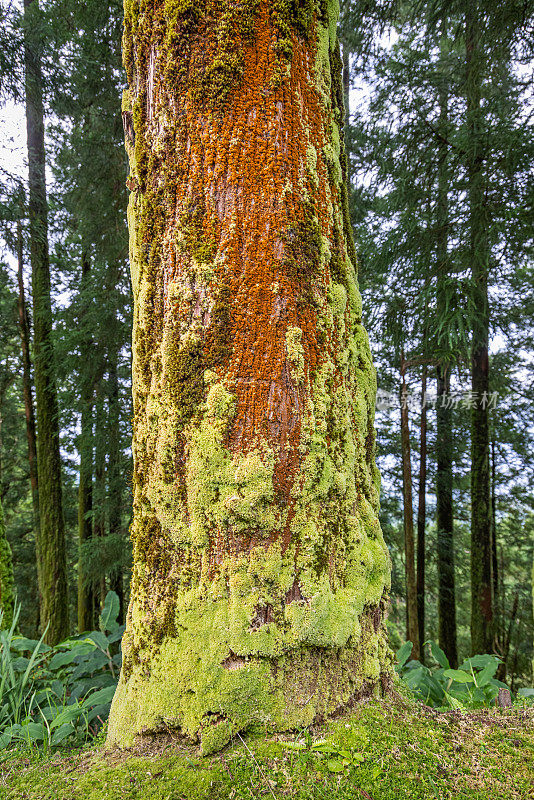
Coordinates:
(108, 618)
(439, 655)
(403, 653)
(458, 675)
(101, 696)
(334, 765)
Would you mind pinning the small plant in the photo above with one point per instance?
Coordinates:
(49, 695)
(473, 685)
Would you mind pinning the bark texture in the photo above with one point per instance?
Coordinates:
(27, 390)
(260, 571)
(51, 549)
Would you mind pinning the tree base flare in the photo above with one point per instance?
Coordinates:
(210, 699)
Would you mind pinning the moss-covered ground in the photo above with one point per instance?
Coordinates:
(379, 751)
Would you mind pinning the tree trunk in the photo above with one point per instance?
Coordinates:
(114, 471)
(481, 545)
(421, 519)
(27, 391)
(7, 583)
(99, 491)
(85, 447)
(444, 475)
(260, 571)
(412, 628)
(51, 550)
(445, 520)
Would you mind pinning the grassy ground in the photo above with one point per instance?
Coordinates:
(380, 751)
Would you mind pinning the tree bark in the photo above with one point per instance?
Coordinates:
(27, 391)
(260, 571)
(51, 550)
(412, 627)
(86, 601)
(421, 518)
(481, 544)
(444, 457)
(445, 520)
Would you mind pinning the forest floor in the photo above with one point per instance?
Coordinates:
(379, 751)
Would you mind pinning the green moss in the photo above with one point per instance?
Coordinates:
(395, 751)
(7, 584)
(303, 245)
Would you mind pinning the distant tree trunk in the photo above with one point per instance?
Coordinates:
(412, 627)
(445, 520)
(27, 391)
(7, 583)
(421, 518)
(114, 471)
(260, 571)
(99, 489)
(51, 550)
(498, 618)
(86, 601)
(481, 538)
(444, 475)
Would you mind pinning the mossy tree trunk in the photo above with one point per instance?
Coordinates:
(260, 572)
(7, 583)
(27, 392)
(51, 548)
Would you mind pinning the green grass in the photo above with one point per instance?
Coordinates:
(382, 751)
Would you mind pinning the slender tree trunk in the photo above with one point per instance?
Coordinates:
(412, 628)
(481, 539)
(27, 390)
(114, 471)
(260, 571)
(7, 583)
(99, 491)
(51, 550)
(86, 601)
(444, 464)
(445, 520)
(421, 518)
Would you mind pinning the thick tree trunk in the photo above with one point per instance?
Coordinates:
(421, 518)
(260, 572)
(27, 391)
(481, 544)
(51, 550)
(86, 601)
(412, 627)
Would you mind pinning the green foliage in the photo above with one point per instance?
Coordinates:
(473, 685)
(49, 696)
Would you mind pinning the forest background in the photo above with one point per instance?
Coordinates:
(439, 140)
